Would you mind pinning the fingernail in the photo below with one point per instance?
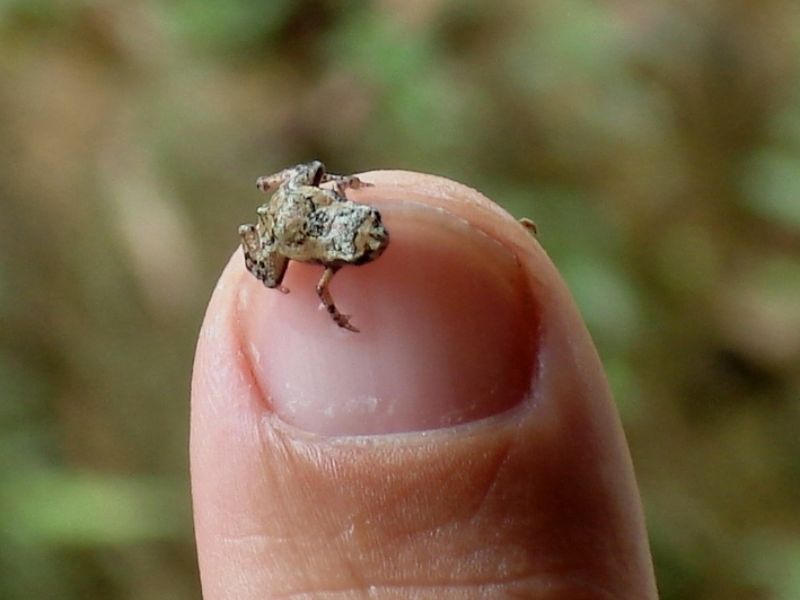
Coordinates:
(447, 332)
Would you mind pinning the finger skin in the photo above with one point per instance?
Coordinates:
(537, 502)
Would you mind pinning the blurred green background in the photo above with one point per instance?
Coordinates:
(656, 144)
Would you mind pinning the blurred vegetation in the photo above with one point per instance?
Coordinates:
(656, 144)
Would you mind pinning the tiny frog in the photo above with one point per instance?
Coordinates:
(304, 222)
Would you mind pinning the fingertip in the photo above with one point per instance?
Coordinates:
(548, 487)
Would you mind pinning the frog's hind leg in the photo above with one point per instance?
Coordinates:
(324, 293)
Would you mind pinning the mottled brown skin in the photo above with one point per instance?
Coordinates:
(304, 222)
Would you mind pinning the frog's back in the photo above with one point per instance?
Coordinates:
(337, 234)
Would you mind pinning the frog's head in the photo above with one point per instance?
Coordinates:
(374, 237)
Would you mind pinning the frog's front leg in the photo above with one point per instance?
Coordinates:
(311, 173)
(344, 182)
(266, 265)
(324, 293)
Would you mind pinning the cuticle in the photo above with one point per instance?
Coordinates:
(246, 356)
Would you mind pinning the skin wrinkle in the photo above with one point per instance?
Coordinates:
(471, 508)
(402, 538)
(544, 583)
(309, 454)
(341, 529)
(561, 579)
(484, 490)
(453, 524)
(490, 485)
(399, 500)
(266, 537)
(359, 580)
